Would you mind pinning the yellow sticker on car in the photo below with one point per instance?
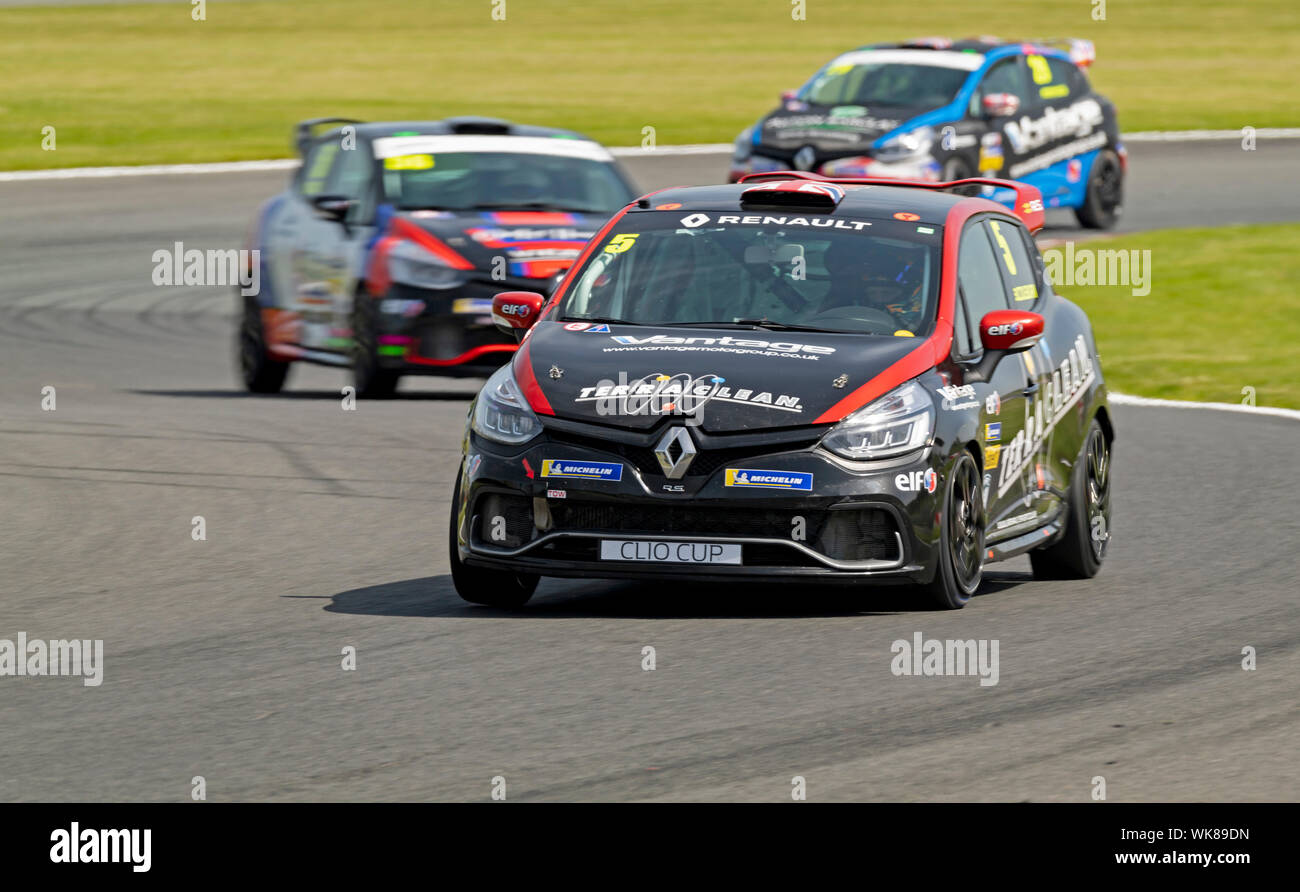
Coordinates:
(1002, 243)
(620, 243)
(409, 162)
(903, 333)
(991, 454)
(1025, 292)
(1055, 91)
(1039, 68)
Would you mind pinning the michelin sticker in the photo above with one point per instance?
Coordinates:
(587, 470)
(770, 479)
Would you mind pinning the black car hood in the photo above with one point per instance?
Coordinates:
(842, 128)
(534, 244)
(734, 379)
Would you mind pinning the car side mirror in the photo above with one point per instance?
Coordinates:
(1004, 333)
(1000, 105)
(332, 207)
(514, 312)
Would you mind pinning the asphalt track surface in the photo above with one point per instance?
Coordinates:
(327, 529)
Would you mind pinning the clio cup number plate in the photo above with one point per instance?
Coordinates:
(669, 552)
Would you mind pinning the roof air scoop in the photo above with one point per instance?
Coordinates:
(794, 193)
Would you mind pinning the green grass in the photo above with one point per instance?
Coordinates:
(144, 84)
(1223, 314)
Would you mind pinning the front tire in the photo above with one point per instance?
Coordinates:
(1104, 198)
(1079, 553)
(371, 379)
(257, 370)
(494, 588)
(961, 538)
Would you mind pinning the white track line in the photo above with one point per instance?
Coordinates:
(1204, 135)
(1124, 399)
(145, 170)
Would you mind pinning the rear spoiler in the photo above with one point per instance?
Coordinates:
(1081, 51)
(304, 131)
(1028, 206)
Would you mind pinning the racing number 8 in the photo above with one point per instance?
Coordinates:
(620, 243)
(1039, 69)
(1006, 249)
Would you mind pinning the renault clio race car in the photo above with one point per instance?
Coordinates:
(794, 377)
(938, 110)
(387, 247)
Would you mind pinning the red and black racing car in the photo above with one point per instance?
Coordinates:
(387, 247)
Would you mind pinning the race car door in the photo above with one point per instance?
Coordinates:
(1059, 88)
(327, 261)
(981, 290)
(1040, 481)
(997, 153)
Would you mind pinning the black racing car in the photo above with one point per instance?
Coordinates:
(939, 110)
(387, 247)
(791, 378)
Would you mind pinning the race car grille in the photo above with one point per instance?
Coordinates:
(705, 463)
(854, 534)
(504, 521)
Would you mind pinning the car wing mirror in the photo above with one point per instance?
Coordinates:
(332, 207)
(1000, 105)
(514, 312)
(1004, 333)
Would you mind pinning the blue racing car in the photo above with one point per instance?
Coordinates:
(937, 110)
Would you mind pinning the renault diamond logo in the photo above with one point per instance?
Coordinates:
(805, 158)
(675, 451)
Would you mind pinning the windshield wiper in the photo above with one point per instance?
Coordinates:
(534, 206)
(608, 320)
(755, 323)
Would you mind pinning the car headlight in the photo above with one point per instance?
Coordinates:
(410, 264)
(501, 414)
(906, 145)
(899, 422)
(744, 146)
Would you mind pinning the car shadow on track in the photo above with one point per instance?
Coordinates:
(465, 395)
(434, 596)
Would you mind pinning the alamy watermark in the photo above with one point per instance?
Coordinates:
(211, 268)
(1070, 266)
(932, 656)
(36, 657)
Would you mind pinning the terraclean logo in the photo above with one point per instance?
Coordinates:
(1067, 385)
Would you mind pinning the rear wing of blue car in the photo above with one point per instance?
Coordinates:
(304, 132)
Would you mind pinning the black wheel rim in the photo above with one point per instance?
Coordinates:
(1097, 481)
(1108, 187)
(966, 526)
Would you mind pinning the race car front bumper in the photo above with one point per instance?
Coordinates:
(441, 332)
(852, 523)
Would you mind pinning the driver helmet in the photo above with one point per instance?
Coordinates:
(873, 273)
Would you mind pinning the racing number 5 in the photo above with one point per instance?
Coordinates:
(620, 243)
(1006, 249)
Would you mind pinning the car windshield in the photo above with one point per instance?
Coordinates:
(777, 269)
(461, 181)
(888, 83)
